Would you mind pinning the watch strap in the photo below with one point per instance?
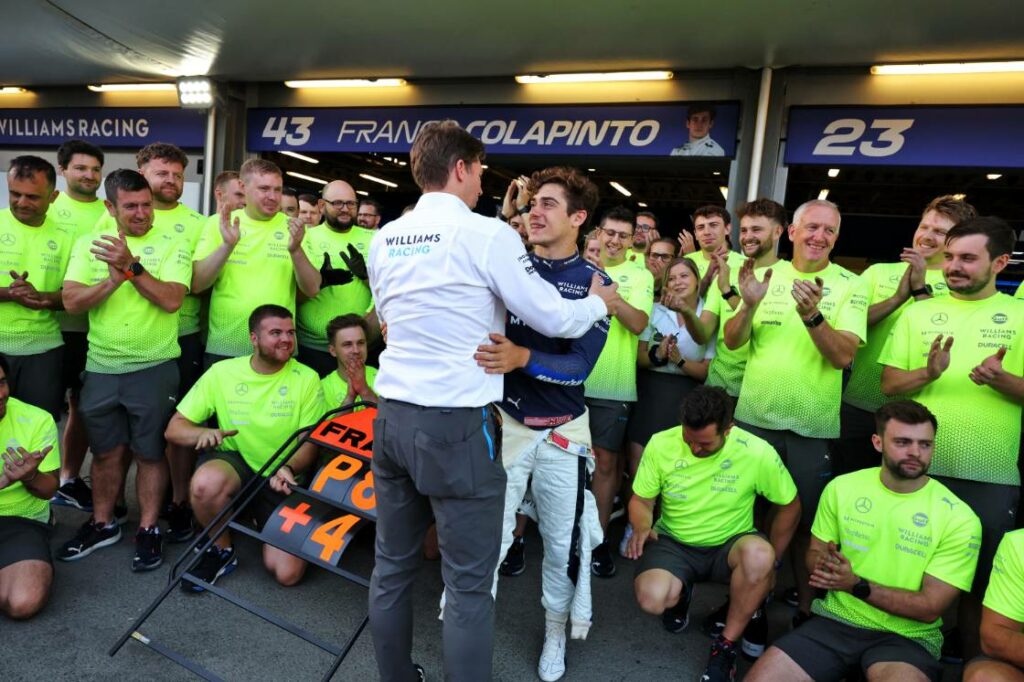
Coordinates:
(814, 321)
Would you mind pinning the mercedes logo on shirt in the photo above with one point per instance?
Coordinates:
(779, 289)
(863, 505)
(7, 239)
(940, 318)
(64, 213)
(242, 388)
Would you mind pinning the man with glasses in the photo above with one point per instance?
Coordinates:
(369, 214)
(646, 232)
(337, 249)
(250, 257)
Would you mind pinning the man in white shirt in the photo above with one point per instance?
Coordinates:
(700, 119)
(441, 277)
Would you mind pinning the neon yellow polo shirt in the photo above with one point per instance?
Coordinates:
(28, 427)
(1005, 593)
(78, 218)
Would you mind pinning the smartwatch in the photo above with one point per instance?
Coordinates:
(682, 361)
(729, 294)
(926, 290)
(814, 321)
(134, 270)
(862, 590)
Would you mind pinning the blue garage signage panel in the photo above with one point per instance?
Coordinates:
(106, 127)
(622, 130)
(989, 137)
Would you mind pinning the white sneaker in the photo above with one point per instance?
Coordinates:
(624, 542)
(552, 657)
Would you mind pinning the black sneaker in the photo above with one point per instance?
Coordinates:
(90, 537)
(755, 636)
(149, 546)
(75, 493)
(676, 618)
(515, 559)
(721, 662)
(601, 562)
(179, 523)
(714, 622)
(214, 563)
(121, 513)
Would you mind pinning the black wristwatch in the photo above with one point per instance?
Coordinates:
(729, 294)
(862, 590)
(134, 270)
(682, 361)
(923, 291)
(652, 355)
(814, 321)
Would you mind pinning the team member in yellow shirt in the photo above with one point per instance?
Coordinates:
(1002, 619)
(27, 480)
(893, 548)
(351, 379)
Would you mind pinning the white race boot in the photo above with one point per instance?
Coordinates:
(552, 658)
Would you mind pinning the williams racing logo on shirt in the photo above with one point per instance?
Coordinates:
(404, 245)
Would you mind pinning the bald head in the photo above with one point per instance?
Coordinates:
(339, 205)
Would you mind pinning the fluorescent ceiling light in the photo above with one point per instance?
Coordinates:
(302, 176)
(301, 157)
(993, 176)
(823, 194)
(362, 192)
(833, 172)
(591, 170)
(597, 77)
(716, 172)
(348, 83)
(373, 178)
(620, 188)
(725, 192)
(641, 204)
(10, 90)
(946, 68)
(134, 87)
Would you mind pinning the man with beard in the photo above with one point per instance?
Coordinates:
(132, 280)
(761, 223)
(258, 401)
(804, 321)
(163, 165)
(337, 248)
(77, 209)
(892, 287)
(645, 234)
(974, 385)
(369, 214)
(893, 548)
(250, 256)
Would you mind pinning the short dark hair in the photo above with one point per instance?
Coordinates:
(706, 405)
(712, 211)
(620, 214)
(224, 177)
(949, 206)
(699, 107)
(287, 191)
(162, 151)
(267, 310)
(437, 148)
(580, 192)
(370, 202)
(663, 240)
(1001, 237)
(347, 321)
(72, 147)
(123, 180)
(309, 198)
(26, 166)
(763, 207)
(905, 412)
(648, 214)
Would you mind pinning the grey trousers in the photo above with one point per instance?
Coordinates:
(445, 460)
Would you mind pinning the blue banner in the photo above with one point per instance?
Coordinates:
(619, 130)
(107, 127)
(987, 137)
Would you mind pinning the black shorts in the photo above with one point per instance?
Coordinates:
(130, 409)
(808, 461)
(190, 362)
(266, 501)
(38, 380)
(827, 649)
(996, 507)
(608, 420)
(23, 539)
(689, 563)
(75, 348)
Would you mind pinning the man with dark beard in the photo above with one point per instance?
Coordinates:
(973, 385)
(337, 248)
(893, 548)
